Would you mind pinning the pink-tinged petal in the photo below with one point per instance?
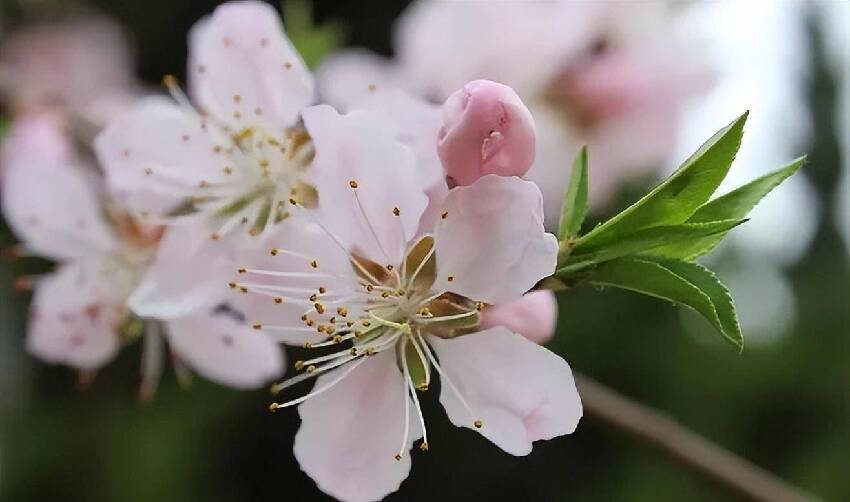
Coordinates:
(347, 79)
(490, 242)
(533, 316)
(160, 153)
(369, 192)
(359, 80)
(225, 351)
(74, 319)
(244, 70)
(486, 130)
(189, 274)
(49, 199)
(521, 391)
(350, 434)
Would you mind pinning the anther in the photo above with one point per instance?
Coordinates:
(273, 251)
(298, 365)
(397, 457)
(287, 65)
(169, 81)
(423, 446)
(367, 323)
(450, 278)
(148, 171)
(342, 311)
(478, 424)
(308, 345)
(241, 270)
(319, 308)
(228, 170)
(278, 299)
(353, 184)
(314, 297)
(243, 289)
(232, 285)
(310, 369)
(369, 288)
(273, 407)
(479, 306)
(215, 236)
(444, 215)
(322, 290)
(385, 294)
(314, 264)
(370, 351)
(257, 326)
(390, 268)
(396, 211)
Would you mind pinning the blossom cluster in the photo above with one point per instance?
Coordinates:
(393, 238)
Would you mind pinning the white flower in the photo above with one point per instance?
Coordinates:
(80, 315)
(397, 298)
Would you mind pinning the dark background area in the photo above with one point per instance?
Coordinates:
(784, 406)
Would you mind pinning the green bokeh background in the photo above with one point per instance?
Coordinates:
(785, 406)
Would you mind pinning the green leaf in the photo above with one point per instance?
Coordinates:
(649, 239)
(574, 207)
(676, 199)
(734, 205)
(681, 282)
(313, 42)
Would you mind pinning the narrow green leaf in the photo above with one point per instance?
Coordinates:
(660, 279)
(733, 205)
(676, 199)
(574, 207)
(648, 239)
(709, 284)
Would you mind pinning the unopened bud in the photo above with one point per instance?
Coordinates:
(486, 130)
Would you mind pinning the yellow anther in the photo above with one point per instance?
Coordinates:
(243, 289)
(353, 184)
(479, 306)
(310, 369)
(322, 290)
(228, 170)
(369, 288)
(237, 98)
(241, 270)
(423, 446)
(273, 407)
(232, 285)
(314, 264)
(278, 299)
(215, 236)
(478, 424)
(169, 81)
(319, 308)
(342, 311)
(298, 365)
(273, 251)
(314, 297)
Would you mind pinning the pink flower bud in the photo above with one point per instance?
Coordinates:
(486, 130)
(533, 316)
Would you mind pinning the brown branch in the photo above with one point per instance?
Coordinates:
(686, 446)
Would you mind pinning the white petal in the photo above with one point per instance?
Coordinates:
(189, 274)
(225, 351)
(160, 153)
(242, 63)
(361, 148)
(49, 199)
(351, 433)
(74, 319)
(521, 391)
(491, 246)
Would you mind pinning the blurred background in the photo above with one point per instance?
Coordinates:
(784, 403)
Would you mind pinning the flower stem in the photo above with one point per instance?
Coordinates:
(695, 451)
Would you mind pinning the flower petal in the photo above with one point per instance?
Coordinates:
(189, 274)
(73, 319)
(160, 153)
(533, 316)
(491, 245)
(350, 433)
(244, 70)
(225, 351)
(365, 176)
(49, 199)
(521, 391)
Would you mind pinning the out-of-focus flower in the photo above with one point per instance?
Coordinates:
(53, 201)
(613, 77)
(81, 66)
(366, 277)
(237, 159)
(486, 130)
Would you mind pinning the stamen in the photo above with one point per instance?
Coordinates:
(412, 392)
(321, 389)
(446, 380)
